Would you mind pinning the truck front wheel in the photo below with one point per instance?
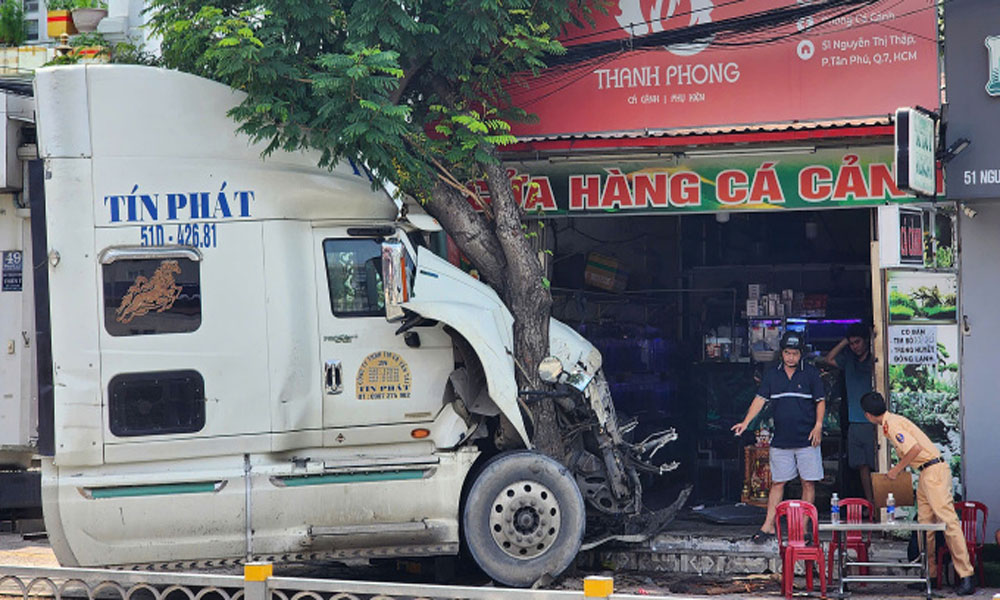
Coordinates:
(524, 518)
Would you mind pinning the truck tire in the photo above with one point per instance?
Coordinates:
(524, 518)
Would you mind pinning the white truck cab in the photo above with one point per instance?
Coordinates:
(252, 358)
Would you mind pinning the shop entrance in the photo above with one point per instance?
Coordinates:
(687, 310)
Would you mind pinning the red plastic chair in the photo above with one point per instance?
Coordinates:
(974, 529)
(852, 510)
(795, 513)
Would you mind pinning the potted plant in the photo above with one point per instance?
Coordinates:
(59, 20)
(90, 47)
(88, 13)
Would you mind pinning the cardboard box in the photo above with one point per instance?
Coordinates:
(901, 488)
(604, 272)
(756, 291)
(753, 308)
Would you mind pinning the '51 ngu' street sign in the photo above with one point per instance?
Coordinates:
(972, 76)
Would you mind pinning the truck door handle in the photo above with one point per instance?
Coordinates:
(332, 379)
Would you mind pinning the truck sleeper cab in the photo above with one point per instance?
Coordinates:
(227, 384)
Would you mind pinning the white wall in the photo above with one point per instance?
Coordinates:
(17, 329)
(125, 21)
(980, 287)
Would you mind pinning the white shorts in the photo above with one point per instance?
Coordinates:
(789, 463)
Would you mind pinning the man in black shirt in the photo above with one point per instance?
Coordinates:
(858, 367)
(798, 403)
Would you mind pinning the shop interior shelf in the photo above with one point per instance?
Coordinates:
(782, 267)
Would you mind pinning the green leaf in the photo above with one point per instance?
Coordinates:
(402, 86)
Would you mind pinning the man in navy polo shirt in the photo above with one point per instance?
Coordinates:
(798, 403)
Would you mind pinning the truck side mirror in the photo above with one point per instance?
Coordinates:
(394, 279)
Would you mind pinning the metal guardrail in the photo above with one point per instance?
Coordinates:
(258, 584)
(94, 584)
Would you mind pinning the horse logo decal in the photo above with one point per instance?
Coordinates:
(156, 294)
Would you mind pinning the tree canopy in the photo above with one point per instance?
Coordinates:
(412, 89)
(409, 87)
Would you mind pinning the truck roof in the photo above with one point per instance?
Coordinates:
(155, 131)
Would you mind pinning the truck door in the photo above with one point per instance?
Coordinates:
(371, 375)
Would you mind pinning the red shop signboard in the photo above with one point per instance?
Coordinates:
(911, 237)
(863, 63)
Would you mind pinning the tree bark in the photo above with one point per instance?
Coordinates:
(530, 303)
(471, 232)
(506, 260)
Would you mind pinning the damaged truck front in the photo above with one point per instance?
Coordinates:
(260, 359)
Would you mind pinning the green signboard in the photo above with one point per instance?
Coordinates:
(786, 179)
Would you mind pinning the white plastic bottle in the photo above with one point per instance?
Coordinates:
(890, 508)
(834, 509)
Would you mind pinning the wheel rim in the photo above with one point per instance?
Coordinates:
(524, 519)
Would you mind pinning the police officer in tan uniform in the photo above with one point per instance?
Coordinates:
(935, 501)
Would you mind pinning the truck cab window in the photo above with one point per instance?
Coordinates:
(146, 296)
(354, 274)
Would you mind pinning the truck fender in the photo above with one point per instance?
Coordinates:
(479, 328)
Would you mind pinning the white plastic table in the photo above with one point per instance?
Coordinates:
(898, 525)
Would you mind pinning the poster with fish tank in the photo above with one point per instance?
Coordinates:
(923, 340)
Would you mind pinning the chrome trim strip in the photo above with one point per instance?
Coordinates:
(113, 254)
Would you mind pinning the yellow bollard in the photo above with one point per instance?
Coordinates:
(255, 576)
(257, 571)
(596, 586)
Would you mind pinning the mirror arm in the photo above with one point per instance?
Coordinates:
(409, 321)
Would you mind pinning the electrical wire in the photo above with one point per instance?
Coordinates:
(887, 26)
(818, 30)
(650, 21)
(791, 34)
(564, 73)
(696, 33)
(568, 40)
(634, 238)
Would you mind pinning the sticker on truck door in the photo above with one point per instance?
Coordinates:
(12, 267)
(145, 296)
(157, 293)
(383, 375)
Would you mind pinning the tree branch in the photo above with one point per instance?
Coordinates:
(445, 176)
(408, 75)
(471, 233)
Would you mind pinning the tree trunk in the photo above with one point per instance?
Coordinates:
(471, 232)
(529, 302)
(505, 259)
